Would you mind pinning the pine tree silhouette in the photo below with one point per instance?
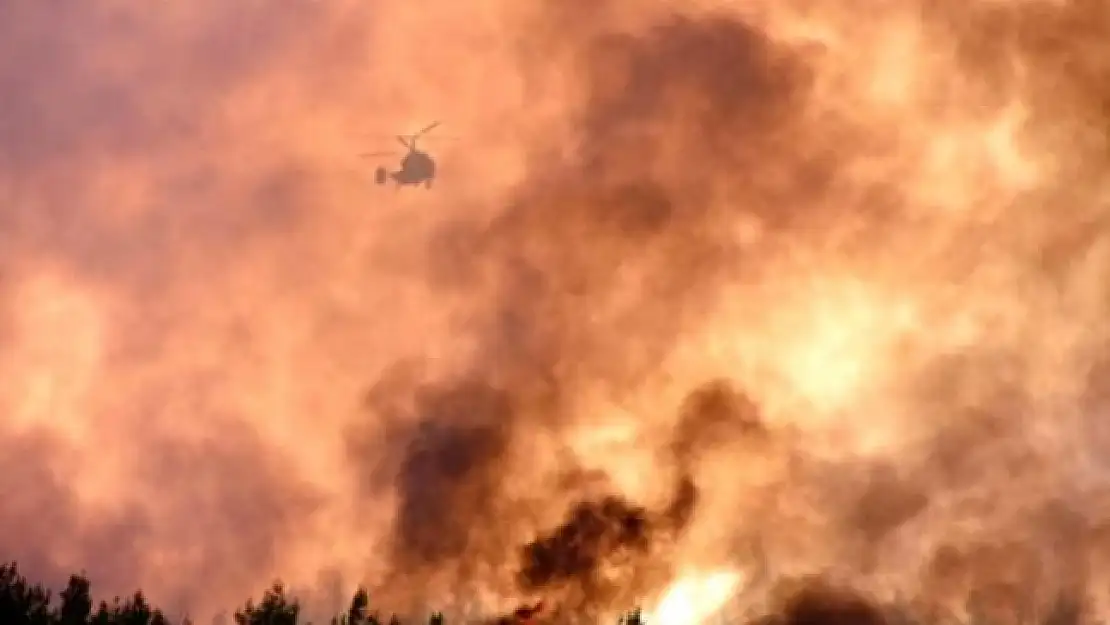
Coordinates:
(274, 609)
(24, 603)
(77, 603)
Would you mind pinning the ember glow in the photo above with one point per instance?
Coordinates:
(728, 292)
(694, 598)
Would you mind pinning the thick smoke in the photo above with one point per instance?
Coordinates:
(604, 553)
(813, 601)
(593, 270)
(705, 298)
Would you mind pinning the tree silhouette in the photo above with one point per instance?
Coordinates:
(359, 613)
(135, 611)
(23, 603)
(275, 609)
(359, 610)
(77, 603)
(20, 602)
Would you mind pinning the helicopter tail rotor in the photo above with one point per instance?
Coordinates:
(381, 176)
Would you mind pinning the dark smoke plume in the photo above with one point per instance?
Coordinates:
(575, 552)
(816, 602)
(450, 468)
(602, 555)
(713, 415)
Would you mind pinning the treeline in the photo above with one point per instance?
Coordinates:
(25, 603)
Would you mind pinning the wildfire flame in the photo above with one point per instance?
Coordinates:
(694, 598)
(696, 276)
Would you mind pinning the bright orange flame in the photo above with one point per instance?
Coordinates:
(695, 597)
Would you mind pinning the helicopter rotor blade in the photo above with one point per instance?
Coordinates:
(377, 154)
(426, 129)
(406, 141)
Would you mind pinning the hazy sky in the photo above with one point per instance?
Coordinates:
(228, 356)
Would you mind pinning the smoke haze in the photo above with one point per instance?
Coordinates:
(706, 296)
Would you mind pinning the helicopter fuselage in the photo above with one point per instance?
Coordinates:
(416, 168)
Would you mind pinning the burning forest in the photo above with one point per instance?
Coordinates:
(772, 308)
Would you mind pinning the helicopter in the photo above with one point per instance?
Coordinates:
(417, 166)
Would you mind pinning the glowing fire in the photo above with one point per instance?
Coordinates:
(695, 597)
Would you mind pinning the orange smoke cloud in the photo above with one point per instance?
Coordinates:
(847, 273)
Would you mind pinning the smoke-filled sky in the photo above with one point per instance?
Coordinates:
(843, 268)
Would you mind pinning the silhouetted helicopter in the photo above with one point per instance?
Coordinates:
(417, 167)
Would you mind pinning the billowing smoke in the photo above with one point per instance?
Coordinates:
(813, 601)
(601, 557)
(706, 297)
